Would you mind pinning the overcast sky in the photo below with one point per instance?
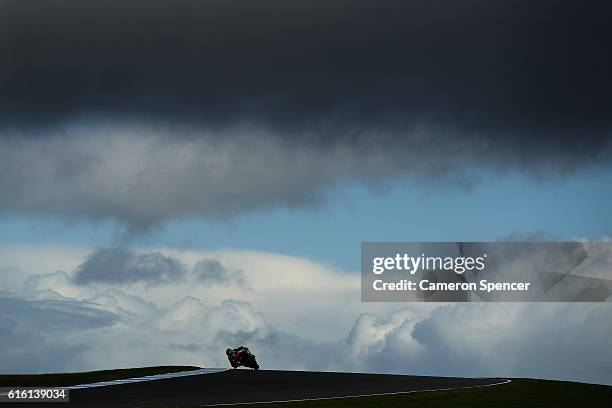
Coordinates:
(203, 170)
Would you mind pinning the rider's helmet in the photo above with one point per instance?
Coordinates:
(228, 351)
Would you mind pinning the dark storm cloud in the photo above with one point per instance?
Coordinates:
(510, 66)
(207, 99)
(120, 265)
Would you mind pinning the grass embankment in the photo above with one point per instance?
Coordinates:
(65, 379)
(519, 393)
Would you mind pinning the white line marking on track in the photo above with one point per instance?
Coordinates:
(138, 379)
(505, 381)
(145, 378)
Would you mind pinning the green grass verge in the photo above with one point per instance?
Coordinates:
(519, 393)
(64, 379)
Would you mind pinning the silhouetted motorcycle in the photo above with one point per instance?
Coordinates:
(241, 356)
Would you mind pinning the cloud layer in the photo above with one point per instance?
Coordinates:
(142, 175)
(522, 66)
(119, 265)
(158, 109)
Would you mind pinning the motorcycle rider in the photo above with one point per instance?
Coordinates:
(234, 355)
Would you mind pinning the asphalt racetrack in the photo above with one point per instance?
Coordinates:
(248, 386)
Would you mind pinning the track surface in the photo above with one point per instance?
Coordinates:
(236, 386)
